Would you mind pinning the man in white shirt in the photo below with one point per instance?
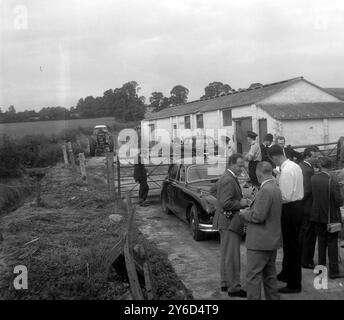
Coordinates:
(291, 186)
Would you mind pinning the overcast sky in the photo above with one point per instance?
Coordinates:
(75, 48)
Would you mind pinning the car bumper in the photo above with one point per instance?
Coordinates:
(206, 227)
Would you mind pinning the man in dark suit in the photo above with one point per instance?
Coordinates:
(264, 147)
(263, 236)
(227, 221)
(326, 204)
(307, 232)
(140, 176)
(288, 151)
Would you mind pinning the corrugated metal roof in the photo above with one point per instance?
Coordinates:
(249, 96)
(339, 92)
(301, 111)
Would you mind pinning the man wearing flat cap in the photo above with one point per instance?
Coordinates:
(254, 156)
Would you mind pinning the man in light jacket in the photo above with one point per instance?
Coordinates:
(263, 236)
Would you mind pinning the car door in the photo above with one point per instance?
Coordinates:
(171, 186)
(181, 199)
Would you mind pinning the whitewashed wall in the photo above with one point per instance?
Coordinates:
(335, 129)
(301, 132)
(301, 92)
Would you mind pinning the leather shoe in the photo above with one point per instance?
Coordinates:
(308, 266)
(287, 290)
(281, 277)
(238, 294)
(224, 289)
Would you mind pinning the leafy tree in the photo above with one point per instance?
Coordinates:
(216, 88)
(158, 101)
(11, 110)
(127, 104)
(53, 113)
(179, 95)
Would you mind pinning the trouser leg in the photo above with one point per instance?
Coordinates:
(230, 260)
(224, 258)
(308, 240)
(270, 278)
(332, 245)
(143, 191)
(252, 165)
(320, 229)
(292, 216)
(256, 261)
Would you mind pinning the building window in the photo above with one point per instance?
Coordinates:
(151, 128)
(151, 131)
(227, 117)
(174, 130)
(199, 120)
(187, 122)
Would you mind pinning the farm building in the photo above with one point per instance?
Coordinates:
(299, 110)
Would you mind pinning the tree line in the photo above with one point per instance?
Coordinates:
(124, 104)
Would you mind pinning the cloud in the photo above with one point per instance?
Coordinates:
(86, 47)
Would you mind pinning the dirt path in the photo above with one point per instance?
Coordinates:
(197, 263)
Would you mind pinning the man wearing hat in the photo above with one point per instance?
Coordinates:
(254, 156)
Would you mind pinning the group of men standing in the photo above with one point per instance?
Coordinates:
(292, 205)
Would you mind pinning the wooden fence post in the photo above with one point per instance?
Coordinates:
(118, 167)
(71, 155)
(83, 167)
(65, 157)
(110, 175)
(135, 288)
(340, 151)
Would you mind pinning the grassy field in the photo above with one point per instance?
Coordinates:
(50, 127)
(74, 237)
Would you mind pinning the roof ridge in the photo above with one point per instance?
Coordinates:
(232, 92)
(248, 89)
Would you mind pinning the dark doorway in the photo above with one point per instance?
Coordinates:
(263, 129)
(241, 127)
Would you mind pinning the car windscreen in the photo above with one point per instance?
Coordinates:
(99, 130)
(202, 172)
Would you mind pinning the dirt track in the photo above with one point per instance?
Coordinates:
(197, 263)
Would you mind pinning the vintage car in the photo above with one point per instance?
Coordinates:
(194, 146)
(186, 193)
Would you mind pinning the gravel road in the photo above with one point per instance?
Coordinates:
(197, 263)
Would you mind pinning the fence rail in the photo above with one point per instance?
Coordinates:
(133, 260)
(125, 182)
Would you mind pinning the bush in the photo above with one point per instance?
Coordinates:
(10, 157)
(39, 151)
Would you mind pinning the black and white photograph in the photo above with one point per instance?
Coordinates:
(188, 152)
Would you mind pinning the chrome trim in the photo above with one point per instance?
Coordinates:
(207, 227)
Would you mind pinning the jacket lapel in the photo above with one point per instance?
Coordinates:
(236, 180)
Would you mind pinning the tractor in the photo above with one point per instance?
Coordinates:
(101, 141)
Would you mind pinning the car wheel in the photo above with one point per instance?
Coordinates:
(197, 234)
(164, 206)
